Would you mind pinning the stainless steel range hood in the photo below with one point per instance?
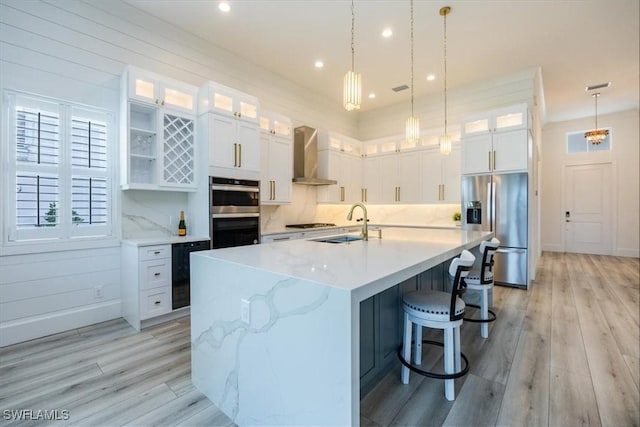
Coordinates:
(305, 157)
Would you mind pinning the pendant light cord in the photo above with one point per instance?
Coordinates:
(595, 95)
(353, 32)
(412, 58)
(445, 75)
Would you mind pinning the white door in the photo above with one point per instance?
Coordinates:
(588, 209)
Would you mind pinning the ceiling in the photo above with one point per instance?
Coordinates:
(576, 43)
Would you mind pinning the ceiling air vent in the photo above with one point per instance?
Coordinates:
(598, 86)
(400, 88)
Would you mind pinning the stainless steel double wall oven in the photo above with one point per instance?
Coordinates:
(235, 212)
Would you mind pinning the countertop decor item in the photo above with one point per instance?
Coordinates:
(457, 216)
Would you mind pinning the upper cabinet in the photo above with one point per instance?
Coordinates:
(276, 154)
(440, 175)
(151, 88)
(232, 132)
(157, 133)
(339, 158)
(496, 141)
(216, 98)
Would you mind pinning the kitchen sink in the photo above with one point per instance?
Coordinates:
(339, 239)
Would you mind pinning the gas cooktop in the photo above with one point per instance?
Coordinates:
(311, 225)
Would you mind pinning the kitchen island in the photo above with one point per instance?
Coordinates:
(275, 328)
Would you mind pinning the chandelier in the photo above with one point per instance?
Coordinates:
(352, 89)
(445, 138)
(412, 127)
(596, 136)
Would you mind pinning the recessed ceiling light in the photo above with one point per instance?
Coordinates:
(431, 77)
(372, 95)
(224, 6)
(319, 64)
(386, 33)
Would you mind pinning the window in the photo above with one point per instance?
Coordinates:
(577, 143)
(59, 169)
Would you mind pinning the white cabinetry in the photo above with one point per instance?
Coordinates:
(158, 133)
(440, 175)
(496, 141)
(146, 282)
(339, 158)
(400, 174)
(276, 169)
(233, 132)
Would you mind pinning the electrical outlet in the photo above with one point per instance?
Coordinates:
(245, 311)
(97, 291)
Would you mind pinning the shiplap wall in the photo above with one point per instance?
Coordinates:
(76, 50)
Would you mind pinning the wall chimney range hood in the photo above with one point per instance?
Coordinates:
(305, 157)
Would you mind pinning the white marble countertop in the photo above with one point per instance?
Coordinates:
(163, 240)
(362, 267)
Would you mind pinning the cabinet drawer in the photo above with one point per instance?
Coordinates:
(155, 302)
(155, 273)
(154, 252)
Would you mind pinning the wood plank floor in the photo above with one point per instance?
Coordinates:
(565, 353)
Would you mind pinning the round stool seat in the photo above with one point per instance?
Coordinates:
(431, 305)
(473, 278)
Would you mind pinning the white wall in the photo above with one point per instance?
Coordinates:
(625, 159)
(76, 50)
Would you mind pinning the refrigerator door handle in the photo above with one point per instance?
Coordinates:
(511, 250)
(489, 217)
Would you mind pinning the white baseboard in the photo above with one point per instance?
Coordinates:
(51, 323)
(552, 248)
(632, 253)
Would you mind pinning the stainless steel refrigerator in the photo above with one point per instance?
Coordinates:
(499, 203)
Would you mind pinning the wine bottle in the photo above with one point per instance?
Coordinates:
(182, 227)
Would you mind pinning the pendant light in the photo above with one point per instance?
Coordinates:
(596, 136)
(445, 138)
(352, 95)
(412, 127)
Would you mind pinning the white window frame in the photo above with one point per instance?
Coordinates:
(64, 230)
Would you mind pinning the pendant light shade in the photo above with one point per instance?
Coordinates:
(445, 139)
(352, 87)
(412, 127)
(352, 91)
(596, 136)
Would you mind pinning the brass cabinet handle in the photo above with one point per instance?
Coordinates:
(443, 192)
(489, 159)
(235, 154)
(494, 159)
(240, 155)
(366, 196)
(342, 194)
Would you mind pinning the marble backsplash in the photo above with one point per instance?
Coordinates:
(152, 213)
(304, 209)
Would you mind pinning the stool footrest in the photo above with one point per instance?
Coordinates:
(428, 374)
(492, 316)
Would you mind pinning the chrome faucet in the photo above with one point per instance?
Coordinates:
(365, 230)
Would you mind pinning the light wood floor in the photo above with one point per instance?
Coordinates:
(565, 353)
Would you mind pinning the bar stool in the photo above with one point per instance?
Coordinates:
(438, 310)
(481, 279)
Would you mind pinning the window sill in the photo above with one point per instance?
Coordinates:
(56, 245)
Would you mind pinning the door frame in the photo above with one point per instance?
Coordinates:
(614, 198)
